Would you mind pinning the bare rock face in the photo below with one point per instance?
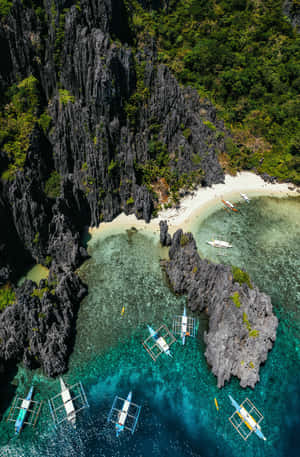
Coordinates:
(242, 325)
(39, 328)
(165, 237)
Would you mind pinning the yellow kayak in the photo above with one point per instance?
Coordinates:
(123, 311)
(216, 403)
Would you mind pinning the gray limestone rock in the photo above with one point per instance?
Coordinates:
(242, 325)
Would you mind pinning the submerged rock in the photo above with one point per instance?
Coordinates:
(242, 325)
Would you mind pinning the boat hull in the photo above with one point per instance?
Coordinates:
(120, 425)
(248, 420)
(23, 412)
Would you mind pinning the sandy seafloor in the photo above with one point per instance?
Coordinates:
(178, 416)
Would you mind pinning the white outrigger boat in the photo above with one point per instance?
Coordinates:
(68, 403)
(219, 244)
(65, 406)
(244, 417)
(245, 197)
(122, 416)
(184, 326)
(125, 416)
(159, 342)
(184, 331)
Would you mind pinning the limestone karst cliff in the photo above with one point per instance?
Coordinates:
(93, 125)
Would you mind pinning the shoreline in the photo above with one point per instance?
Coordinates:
(202, 202)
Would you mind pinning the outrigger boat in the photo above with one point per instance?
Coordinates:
(246, 198)
(246, 418)
(229, 205)
(184, 326)
(68, 403)
(219, 244)
(125, 416)
(65, 406)
(160, 341)
(184, 331)
(23, 412)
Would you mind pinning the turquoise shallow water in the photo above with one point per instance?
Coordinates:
(178, 416)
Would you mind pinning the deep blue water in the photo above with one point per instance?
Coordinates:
(178, 416)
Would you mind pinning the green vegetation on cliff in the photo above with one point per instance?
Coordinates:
(243, 55)
(7, 297)
(241, 276)
(5, 7)
(52, 186)
(17, 121)
(18, 116)
(236, 299)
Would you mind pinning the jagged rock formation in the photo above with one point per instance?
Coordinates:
(92, 142)
(112, 111)
(165, 237)
(242, 326)
(39, 329)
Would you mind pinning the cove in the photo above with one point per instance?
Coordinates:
(178, 416)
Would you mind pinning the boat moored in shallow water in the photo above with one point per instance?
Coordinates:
(24, 411)
(243, 416)
(159, 342)
(184, 326)
(229, 205)
(68, 403)
(65, 406)
(25, 405)
(184, 331)
(245, 197)
(219, 244)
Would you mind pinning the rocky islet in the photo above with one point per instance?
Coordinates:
(242, 325)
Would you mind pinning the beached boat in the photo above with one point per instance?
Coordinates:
(68, 403)
(219, 244)
(246, 198)
(23, 412)
(160, 341)
(246, 418)
(229, 205)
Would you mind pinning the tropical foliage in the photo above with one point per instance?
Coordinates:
(17, 120)
(7, 297)
(245, 56)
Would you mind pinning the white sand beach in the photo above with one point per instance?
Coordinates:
(200, 203)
